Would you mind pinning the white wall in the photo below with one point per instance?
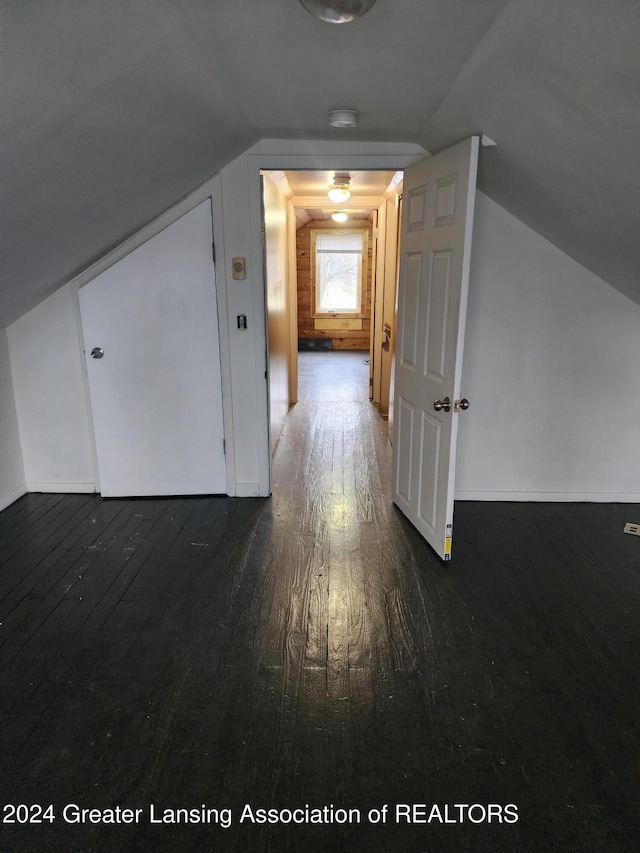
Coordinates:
(551, 356)
(12, 479)
(276, 253)
(51, 402)
(551, 372)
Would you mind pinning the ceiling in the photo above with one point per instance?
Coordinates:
(111, 112)
(356, 216)
(314, 184)
(305, 183)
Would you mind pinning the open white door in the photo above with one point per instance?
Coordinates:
(435, 248)
(150, 328)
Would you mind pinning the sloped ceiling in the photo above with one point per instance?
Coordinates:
(112, 111)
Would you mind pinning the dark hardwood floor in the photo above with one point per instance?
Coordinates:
(309, 649)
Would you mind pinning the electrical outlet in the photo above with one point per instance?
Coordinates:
(634, 529)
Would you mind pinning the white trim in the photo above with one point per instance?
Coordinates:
(551, 497)
(87, 392)
(258, 298)
(325, 155)
(376, 333)
(63, 488)
(13, 496)
(220, 268)
(248, 490)
(292, 303)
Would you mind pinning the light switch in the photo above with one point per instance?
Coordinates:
(238, 268)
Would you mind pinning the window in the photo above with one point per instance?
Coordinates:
(339, 272)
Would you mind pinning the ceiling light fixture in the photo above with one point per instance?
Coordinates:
(339, 216)
(343, 118)
(339, 189)
(337, 11)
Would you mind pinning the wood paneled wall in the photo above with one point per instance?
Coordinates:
(344, 339)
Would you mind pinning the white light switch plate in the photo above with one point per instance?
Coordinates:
(632, 528)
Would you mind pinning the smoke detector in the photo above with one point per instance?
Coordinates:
(343, 118)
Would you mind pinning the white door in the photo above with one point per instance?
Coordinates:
(150, 328)
(437, 220)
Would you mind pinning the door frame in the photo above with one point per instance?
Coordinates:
(148, 408)
(313, 155)
(212, 190)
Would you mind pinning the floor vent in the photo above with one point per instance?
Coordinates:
(314, 343)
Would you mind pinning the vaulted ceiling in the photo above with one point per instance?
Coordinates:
(113, 111)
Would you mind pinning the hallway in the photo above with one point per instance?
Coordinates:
(309, 649)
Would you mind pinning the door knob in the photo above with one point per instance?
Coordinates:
(444, 405)
(461, 404)
(97, 352)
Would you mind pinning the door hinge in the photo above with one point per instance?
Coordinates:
(213, 252)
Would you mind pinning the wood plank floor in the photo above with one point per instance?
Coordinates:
(309, 649)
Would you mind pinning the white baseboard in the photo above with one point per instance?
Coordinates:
(551, 497)
(248, 490)
(13, 496)
(62, 488)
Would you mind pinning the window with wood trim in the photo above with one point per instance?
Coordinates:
(339, 272)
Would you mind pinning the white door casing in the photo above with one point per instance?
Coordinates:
(435, 251)
(156, 393)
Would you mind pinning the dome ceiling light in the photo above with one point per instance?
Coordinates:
(339, 189)
(337, 11)
(340, 216)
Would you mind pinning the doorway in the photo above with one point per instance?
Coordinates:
(297, 212)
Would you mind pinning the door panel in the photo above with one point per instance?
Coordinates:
(435, 250)
(405, 438)
(431, 434)
(156, 392)
(438, 301)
